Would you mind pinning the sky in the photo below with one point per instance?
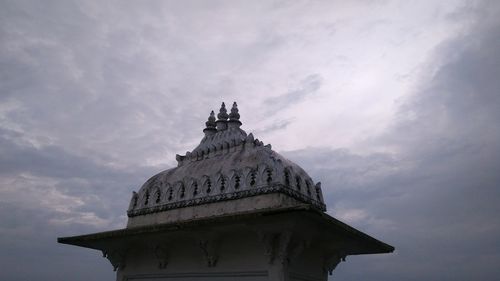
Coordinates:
(393, 105)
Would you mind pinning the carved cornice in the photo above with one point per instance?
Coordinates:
(275, 188)
(209, 275)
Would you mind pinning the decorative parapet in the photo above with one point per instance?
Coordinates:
(276, 188)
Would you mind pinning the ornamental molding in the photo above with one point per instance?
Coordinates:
(276, 188)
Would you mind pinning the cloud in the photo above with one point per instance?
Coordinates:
(436, 193)
(278, 125)
(96, 97)
(46, 192)
(307, 86)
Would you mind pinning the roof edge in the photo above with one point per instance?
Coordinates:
(376, 246)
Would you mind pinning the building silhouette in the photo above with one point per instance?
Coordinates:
(233, 209)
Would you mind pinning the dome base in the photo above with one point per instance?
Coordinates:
(221, 208)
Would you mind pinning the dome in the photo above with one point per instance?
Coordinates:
(227, 165)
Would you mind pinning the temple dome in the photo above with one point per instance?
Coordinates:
(228, 164)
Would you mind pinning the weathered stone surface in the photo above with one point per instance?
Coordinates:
(244, 204)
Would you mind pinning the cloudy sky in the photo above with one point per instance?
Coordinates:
(393, 105)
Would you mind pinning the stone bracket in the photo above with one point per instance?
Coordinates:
(116, 258)
(297, 248)
(331, 262)
(163, 255)
(209, 249)
(278, 246)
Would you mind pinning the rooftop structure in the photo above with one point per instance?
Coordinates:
(230, 188)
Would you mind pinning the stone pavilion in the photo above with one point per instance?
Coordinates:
(232, 209)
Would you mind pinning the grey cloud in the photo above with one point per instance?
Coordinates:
(438, 211)
(94, 98)
(50, 161)
(436, 199)
(279, 125)
(307, 86)
(47, 192)
(29, 249)
(74, 175)
(85, 104)
(74, 71)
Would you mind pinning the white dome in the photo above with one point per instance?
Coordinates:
(228, 164)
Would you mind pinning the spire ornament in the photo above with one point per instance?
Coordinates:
(211, 120)
(234, 116)
(222, 113)
(222, 118)
(210, 129)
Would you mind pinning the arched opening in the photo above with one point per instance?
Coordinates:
(195, 188)
(269, 175)
(252, 178)
(237, 180)
(157, 196)
(182, 191)
(208, 185)
(222, 183)
(308, 188)
(287, 178)
(298, 182)
(146, 198)
(170, 194)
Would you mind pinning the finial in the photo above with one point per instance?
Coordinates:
(234, 116)
(211, 120)
(222, 113)
(210, 129)
(222, 118)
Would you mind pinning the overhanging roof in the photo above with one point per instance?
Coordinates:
(325, 228)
